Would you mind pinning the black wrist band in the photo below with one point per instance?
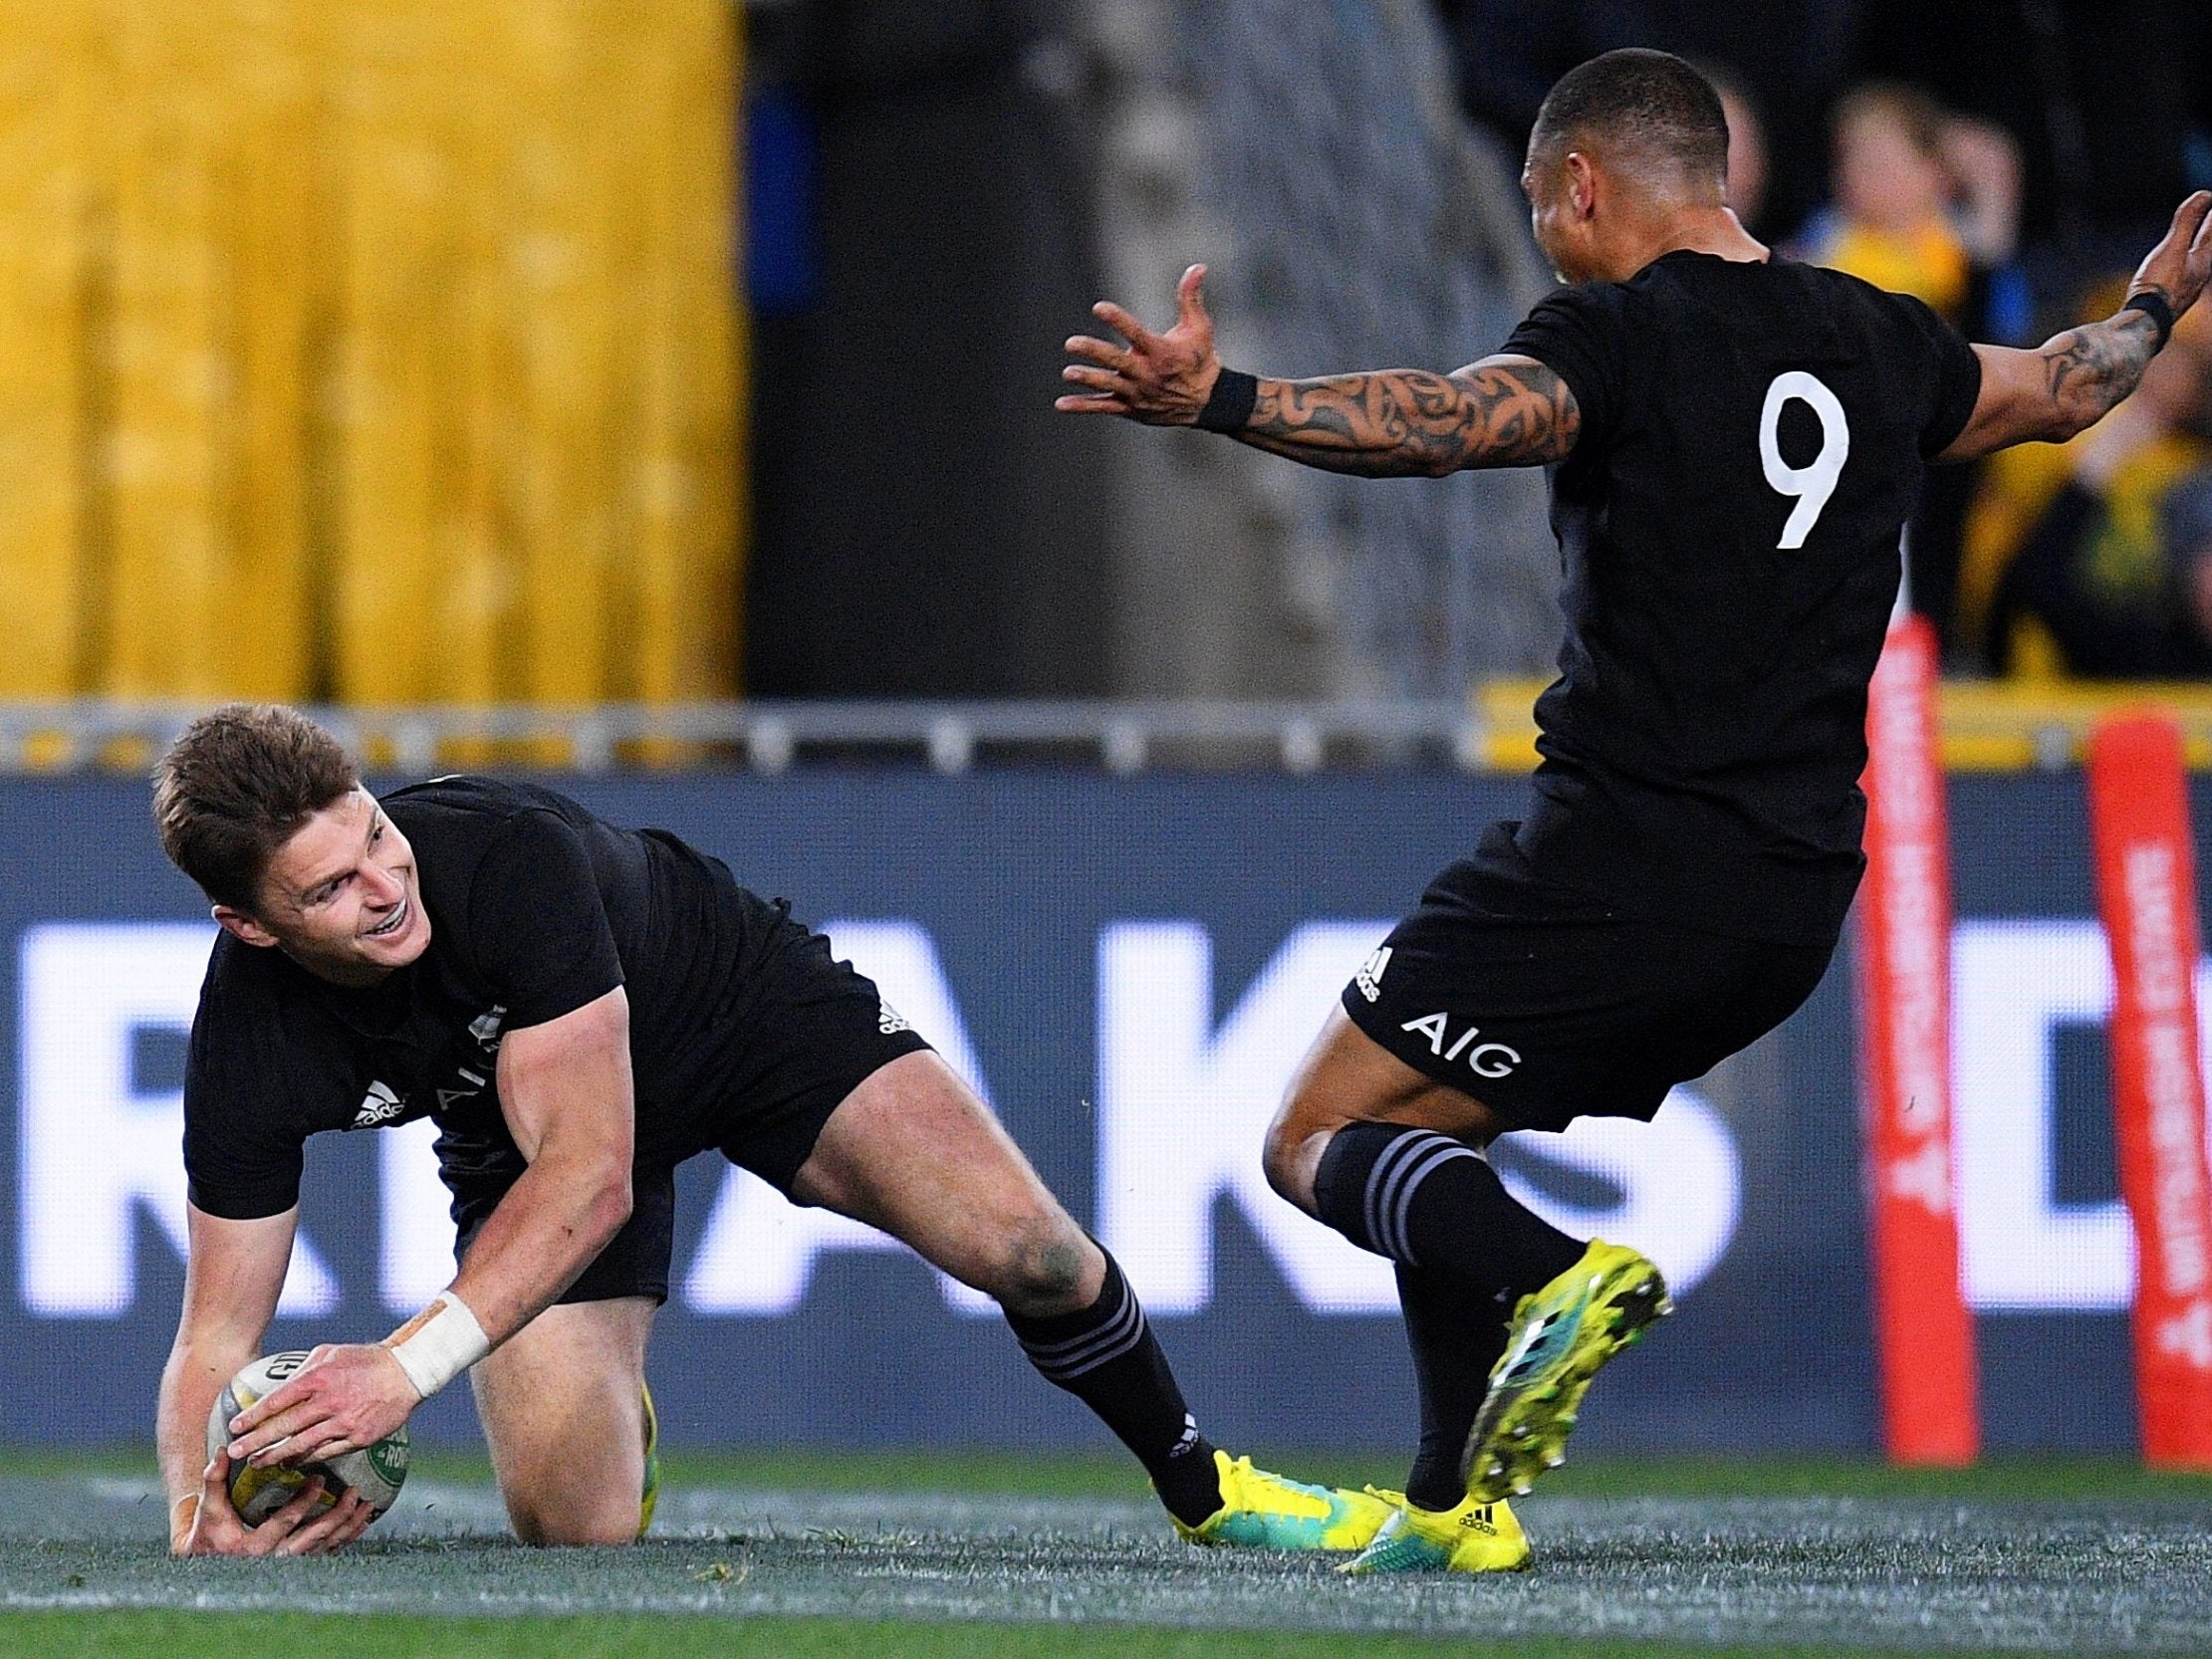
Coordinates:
(2152, 305)
(1229, 404)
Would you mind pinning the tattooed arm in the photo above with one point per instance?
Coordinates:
(1503, 411)
(2074, 378)
(1499, 413)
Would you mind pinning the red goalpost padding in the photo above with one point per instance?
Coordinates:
(1923, 1333)
(2146, 893)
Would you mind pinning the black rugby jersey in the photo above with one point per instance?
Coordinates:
(536, 909)
(1753, 437)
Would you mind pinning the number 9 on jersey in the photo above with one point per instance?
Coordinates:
(1814, 481)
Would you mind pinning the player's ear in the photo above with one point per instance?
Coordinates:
(1582, 183)
(243, 926)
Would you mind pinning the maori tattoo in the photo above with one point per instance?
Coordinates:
(1410, 422)
(2090, 368)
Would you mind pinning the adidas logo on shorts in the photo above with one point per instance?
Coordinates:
(889, 1020)
(1369, 977)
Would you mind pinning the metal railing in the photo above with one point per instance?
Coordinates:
(951, 737)
(1983, 727)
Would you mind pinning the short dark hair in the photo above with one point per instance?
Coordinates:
(236, 785)
(1650, 102)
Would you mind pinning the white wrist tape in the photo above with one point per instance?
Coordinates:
(438, 1343)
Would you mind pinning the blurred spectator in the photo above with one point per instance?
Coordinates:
(1890, 222)
(1791, 55)
(1929, 204)
(1747, 144)
(2163, 632)
(2185, 544)
(2078, 556)
(2099, 95)
(1985, 179)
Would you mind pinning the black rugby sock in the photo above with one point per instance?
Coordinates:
(1428, 1200)
(1107, 1358)
(1457, 1333)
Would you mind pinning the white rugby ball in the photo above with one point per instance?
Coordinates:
(377, 1473)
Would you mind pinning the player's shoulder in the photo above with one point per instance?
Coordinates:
(1690, 301)
(1700, 304)
(1845, 292)
(237, 973)
(462, 811)
(1760, 284)
(244, 1002)
(472, 795)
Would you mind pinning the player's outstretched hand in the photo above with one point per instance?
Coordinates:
(345, 1398)
(207, 1525)
(2181, 264)
(1161, 379)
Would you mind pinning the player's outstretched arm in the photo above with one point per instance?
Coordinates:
(2075, 378)
(1503, 411)
(565, 1090)
(233, 1273)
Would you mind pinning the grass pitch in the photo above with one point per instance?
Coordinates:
(988, 1557)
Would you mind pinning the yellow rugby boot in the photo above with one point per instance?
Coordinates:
(649, 1497)
(1260, 1510)
(1474, 1538)
(1559, 1338)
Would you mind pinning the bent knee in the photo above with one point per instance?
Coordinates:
(1278, 1162)
(1040, 1266)
(550, 1525)
(568, 1531)
(1294, 1144)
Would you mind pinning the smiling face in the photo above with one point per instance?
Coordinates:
(341, 897)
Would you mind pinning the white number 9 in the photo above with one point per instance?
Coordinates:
(1814, 483)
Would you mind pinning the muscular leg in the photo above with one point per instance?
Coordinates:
(912, 1151)
(1349, 1077)
(1389, 1159)
(559, 1405)
(1393, 1161)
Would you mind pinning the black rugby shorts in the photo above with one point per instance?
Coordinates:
(813, 1031)
(1547, 1005)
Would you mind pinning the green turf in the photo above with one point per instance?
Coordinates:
(964, 1552)
(2003, 1479)
(1109, 1475)
(2009, 1479)
(226, 1635)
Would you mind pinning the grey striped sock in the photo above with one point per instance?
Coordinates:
(1107, 1357)
(1429, 1200)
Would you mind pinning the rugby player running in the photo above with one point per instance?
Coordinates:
(580, 1007)
(1735, 442)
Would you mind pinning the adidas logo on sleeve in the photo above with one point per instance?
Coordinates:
(1369, 977)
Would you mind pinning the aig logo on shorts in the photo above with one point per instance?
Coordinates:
(1488, 1060)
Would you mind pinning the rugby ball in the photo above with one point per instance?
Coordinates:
(256, 1494)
